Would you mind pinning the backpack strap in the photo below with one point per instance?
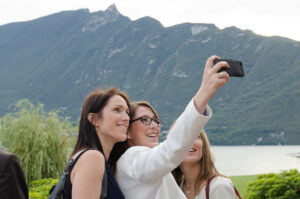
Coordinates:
(71, 164)
(208, 185)
(73, 160)
(57, 190)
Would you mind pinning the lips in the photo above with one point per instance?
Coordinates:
(152, 133)
(125, 126)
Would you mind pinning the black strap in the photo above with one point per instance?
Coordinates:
(56, 191)
(208, 185)
(104, 185)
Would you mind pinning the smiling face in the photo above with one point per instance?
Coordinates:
(140, 134)
(113, 121)
(195, 153)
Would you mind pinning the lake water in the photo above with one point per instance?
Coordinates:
(249, 160)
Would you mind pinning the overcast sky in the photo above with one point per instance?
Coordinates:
(264, 17)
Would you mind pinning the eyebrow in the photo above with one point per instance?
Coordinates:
(148, 116)
(118, 105)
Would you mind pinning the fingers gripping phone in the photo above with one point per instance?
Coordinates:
(236, 67)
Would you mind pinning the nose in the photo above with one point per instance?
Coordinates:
(125, 116)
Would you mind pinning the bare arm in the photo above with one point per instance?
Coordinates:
(87, 175)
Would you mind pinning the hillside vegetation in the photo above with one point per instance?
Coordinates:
(58, 59)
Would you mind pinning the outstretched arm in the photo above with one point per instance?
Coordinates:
(150, 165)
(211, 82)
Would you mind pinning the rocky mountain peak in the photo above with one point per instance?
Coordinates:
(100, 18)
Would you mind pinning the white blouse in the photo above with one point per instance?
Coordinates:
(220, 188)
(145, 173)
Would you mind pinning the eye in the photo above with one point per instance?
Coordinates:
(147, 120)
(117, 110)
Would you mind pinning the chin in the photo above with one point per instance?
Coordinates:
(152, 144)
(190, 160)
(122, 138)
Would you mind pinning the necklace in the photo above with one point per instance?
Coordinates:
(188, 192)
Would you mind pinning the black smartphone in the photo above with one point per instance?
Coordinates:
(236, 67)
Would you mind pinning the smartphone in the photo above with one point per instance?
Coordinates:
(236, 67)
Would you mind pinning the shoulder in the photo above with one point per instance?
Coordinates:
(93, 157)
(220, 181)
(91, 161)
(132, 153)
(7, 159)
(134, 150)
(222, 186)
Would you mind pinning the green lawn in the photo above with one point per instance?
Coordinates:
(240, 182)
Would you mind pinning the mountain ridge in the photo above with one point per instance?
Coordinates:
(59, 58)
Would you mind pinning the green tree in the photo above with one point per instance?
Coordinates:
(40, 139)
(285, 185)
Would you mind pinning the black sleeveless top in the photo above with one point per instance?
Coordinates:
(113, 189)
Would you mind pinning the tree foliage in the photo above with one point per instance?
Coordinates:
(285, 185)
(40, 139)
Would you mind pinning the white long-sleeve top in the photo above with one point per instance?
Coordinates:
(145, 173)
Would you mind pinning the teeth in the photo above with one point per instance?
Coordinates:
(152, 135)
(192, 150)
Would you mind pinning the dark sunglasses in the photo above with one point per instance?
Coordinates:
(147, 120)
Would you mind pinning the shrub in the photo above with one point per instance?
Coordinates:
(285, 185)
(39, 139)
(40, 188)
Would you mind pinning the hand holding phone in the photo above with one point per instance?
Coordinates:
(236, 67)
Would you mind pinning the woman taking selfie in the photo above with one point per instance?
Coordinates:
(144, 170)
(104, 121)
(198, 177)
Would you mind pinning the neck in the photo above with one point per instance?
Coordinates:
(107, 146)
(190, 172)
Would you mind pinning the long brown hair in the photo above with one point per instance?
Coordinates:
(207, 165)
(120, 147)
(95, 103)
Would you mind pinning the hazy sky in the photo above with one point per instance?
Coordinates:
(264, 17)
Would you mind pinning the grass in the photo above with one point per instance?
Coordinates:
(241, 182)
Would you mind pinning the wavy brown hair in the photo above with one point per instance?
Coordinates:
(207, 165)
(120, 147)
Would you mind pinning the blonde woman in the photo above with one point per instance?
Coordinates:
(198, 170)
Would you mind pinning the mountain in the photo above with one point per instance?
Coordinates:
(58, 59)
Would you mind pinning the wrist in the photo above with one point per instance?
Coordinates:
(200, 103)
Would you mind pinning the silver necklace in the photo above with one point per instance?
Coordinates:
(188, 192)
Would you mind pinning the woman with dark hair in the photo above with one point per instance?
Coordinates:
(104, 122)
(144, 170)
(197, 169)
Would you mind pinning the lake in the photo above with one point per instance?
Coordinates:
(249, 160)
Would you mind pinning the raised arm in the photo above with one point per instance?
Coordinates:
(148, 165)
(211, 82)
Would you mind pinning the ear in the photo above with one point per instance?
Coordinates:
(91, 118)
(128, 135)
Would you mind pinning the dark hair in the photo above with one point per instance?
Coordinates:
(94, 103)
